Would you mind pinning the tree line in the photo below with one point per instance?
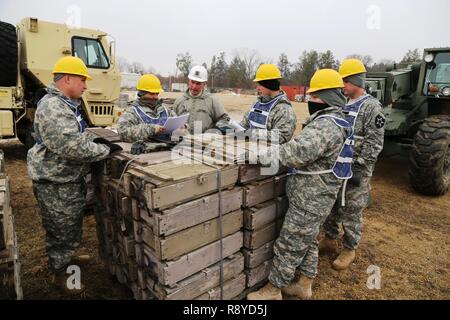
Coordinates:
(239, 72)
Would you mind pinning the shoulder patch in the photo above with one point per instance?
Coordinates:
(380, 121)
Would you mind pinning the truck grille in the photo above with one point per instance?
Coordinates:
(102, 110)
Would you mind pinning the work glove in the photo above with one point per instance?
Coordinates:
(355, 180)
(138, 148)
(114, 149)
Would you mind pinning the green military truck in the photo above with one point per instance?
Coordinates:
(28, 53)
(416, 102)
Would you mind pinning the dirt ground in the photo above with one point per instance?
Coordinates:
(406, 236)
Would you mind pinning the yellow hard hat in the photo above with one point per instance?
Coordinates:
(149, 83)
(71, 65)
(350, 67)
(267, 72)
(325, 79)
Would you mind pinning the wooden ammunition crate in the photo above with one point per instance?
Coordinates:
(199, 283)
(187, 240)
(170, 221)
(257, 238)
(169, 273)
(265, 213)
(262, 191)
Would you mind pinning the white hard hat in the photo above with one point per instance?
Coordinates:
(198, 73)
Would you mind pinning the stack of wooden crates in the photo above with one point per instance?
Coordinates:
(195, 227)
(10, 287)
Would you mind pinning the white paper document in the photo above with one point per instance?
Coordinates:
(235, 125)
(175, 123)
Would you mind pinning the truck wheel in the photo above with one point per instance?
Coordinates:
(429, 161)
(8, 55)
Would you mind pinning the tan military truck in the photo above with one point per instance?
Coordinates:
(28, 53)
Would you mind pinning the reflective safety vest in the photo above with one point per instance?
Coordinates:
(81, 122)
(352, 110)
(259, 113)
(160, 120)
(342, 168)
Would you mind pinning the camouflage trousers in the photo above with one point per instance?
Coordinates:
(297, 248)
(62, 210)
(350, 216)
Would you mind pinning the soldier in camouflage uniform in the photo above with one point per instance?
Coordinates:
(312, 187)
(273, 110)
(59, 162)
(365, 113)
(203, 108)
(145, 118)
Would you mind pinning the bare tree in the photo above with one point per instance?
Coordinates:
(124, 65)
(137, 67)
(252, 60)
(412, 56)
(184, 63)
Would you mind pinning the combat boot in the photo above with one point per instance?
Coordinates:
(268, 292)
(60, 280)
(328, 245)
(344, 260)
(81, 260)
(301, 288)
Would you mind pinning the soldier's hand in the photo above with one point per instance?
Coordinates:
(159, 129)
(137, 148)
(180, 132)
(114, 149)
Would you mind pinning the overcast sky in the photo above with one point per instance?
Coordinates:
(153, 32)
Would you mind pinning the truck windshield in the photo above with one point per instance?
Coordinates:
(91, 52)
(438, 72)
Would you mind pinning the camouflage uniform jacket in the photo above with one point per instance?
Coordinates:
(205, 108)
(282, 117)
(130, 126)
(369, 136)
(316, 148)
(64, 154)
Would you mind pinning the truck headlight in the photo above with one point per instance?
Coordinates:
(429, 58)
(446, 91)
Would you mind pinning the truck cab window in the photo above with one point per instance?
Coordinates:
(91, 52)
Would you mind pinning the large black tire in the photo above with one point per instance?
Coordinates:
(429, 161)
(8, 55)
